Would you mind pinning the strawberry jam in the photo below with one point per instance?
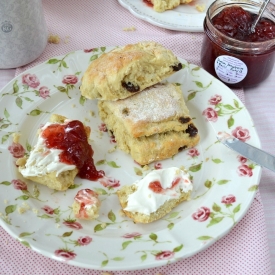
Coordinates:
(87, 199)
(72, 139)
(230, 51)
(156, 187)
(148, 3)
(236, 22)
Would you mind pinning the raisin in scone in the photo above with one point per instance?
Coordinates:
(49, 162)
(127, 70)
(152, 125)
(163, 5)
(154, 196)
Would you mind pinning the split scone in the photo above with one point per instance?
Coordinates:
(151, 125)
(154, 196)
(49, 162)
(163, 5)
(127, 70)
(86, 205)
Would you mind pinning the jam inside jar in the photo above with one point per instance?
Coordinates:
(230, 52)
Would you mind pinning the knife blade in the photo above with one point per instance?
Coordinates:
(255, 154)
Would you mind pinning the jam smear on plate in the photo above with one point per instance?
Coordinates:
(71, 138)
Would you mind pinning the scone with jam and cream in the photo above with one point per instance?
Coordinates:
(61, 152)
(86, 205)
(154, 196)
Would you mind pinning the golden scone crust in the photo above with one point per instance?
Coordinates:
(59, 182)
(159, 108)
(127, 70)
(123, 194)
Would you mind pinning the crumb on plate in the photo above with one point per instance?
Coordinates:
(200, 7)
(53, 39)
(130, 29)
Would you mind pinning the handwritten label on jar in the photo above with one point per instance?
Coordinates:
(230, 69)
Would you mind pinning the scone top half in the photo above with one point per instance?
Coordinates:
(158, 109)
(127, 70)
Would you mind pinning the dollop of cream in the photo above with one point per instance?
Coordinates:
(144, 200)
(43, 160)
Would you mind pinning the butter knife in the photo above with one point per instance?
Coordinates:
(248, 151)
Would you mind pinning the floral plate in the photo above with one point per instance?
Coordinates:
(42, 219)
(183, 18)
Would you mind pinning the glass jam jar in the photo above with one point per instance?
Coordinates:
(237, 63)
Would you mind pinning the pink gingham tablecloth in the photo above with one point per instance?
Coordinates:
(88, 24)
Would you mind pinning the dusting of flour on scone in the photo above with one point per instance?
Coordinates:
(154, 196)
(86, 205)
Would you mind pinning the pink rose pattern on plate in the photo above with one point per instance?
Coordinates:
(17, 150)
(71, 239)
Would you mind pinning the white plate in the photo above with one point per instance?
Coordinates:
(183, 18)
(224, 185)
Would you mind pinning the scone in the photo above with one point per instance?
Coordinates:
(49, 162)
(163, 5)
(151, 125)
(127, 70)
(159, 108)
(145, 150)
(154, 196)
(86, 205)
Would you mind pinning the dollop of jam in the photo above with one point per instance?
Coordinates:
(236, 22)
(72, 139)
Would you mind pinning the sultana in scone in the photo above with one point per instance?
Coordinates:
(127, 70)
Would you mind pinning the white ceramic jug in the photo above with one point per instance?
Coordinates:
(23, 32)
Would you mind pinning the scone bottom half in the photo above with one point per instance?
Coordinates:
(146, 150)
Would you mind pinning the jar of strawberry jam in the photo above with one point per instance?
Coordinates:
(230, 51)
